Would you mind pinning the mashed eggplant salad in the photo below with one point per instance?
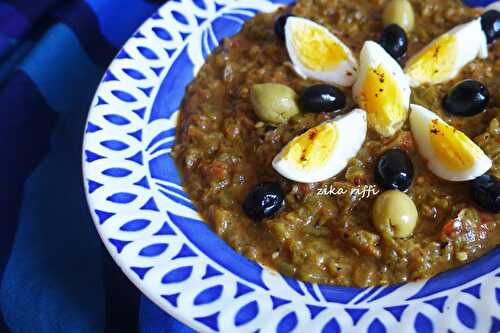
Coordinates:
(289, 123)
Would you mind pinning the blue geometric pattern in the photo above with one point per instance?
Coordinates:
(153, 232)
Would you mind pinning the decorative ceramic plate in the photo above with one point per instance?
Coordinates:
(154, 233)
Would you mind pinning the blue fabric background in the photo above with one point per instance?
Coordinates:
(54, 274)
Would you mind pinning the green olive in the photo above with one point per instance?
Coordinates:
(401, 13)
(273, 102)
(394, 214)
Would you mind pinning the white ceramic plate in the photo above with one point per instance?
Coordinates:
(152, 230)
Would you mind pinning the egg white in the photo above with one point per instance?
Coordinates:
(494, 5)
(351, 131)
(343, 74)
(372, 56)
(420, 119)
(470, 43)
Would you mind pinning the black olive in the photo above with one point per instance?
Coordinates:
(467, 98)
(490, 22)
(322, 98)
(263, 201)
(394, 170)
(279, 25)
(486, 193)
(394, 41)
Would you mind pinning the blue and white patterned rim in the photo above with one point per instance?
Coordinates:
(152, 230)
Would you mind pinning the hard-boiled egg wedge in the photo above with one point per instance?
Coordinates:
(450, 154)
(324, 150)
(382, 90)
(316, 53)
(445, 56)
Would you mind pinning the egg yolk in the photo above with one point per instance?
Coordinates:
(435, 63)
(452, 147)
(382, 100)
(316, 49)
(313, 148)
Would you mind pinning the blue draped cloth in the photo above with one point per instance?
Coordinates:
(55, 276)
